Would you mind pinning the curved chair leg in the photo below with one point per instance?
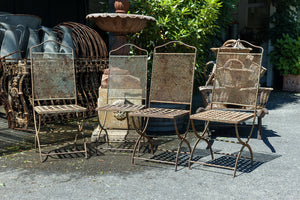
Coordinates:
(134, 149)
(251, 153)
(96, 144)
(37, 130)
(37, 126)
(247, 141)
(237, 160)
(182, 139)
(259, 128)
(244, 144)
(102, 128)
(80, 130)
(142, 135)
(200, 137)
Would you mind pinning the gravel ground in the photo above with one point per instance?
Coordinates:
(274, 175)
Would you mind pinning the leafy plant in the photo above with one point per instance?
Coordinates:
(286, 55)
(284, 35)
(285, 20)
(194, 22)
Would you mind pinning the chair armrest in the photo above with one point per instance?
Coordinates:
(262, 71)
(263, 96)
(211, 74)
(206, 93)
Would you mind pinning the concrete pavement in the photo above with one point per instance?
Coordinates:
(274, 175)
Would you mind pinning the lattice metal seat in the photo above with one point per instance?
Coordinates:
(121, 107)
(160, 113)
(232, 117)
(171, 83)
(235, 91)
(56, 109)
(126, 89)
(53, 82)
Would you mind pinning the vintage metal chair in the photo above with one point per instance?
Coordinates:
(126, 91)
(233, 100)
(171, 83)
(237, 46)
(54, 94)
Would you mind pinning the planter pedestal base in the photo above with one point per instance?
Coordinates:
(291, 83)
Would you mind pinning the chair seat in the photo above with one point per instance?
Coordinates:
(232, 117)
(160, 113)
(120, 107)
(55, 109)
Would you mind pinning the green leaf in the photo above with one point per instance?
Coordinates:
(194, 22)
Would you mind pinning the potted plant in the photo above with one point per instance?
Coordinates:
(286, 58)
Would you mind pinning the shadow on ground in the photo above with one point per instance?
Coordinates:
(278, 99)
(244, 165)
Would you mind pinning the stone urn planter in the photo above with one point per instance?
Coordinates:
(291, 83)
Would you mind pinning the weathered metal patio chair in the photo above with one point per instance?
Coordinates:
(171, 83)
(126, 90)
(233, 100)
(54, 94)
(237, 46)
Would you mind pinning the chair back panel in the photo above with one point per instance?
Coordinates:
(237, 79)
(53, 75)
(173, 77)
(127, 79)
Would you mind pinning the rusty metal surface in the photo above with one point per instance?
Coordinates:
(236, 46)
(223, 116)
(160, 113)
(53, 76)
(237, 79)
(235, 86)
(16, 91)
(87, 41)
(121, 107)
(53, 80)
(55, 109)
(126, 85)
(171, 83)
(127, 77)
(172, 77)
(15, 82)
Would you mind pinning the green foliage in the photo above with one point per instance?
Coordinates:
(286, 55)
(284, 36)
(285, 20)
(103, 6)
(194, 22)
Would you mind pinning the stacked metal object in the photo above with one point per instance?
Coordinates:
(20, 32)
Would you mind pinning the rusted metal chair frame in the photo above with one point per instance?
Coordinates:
(171, 83)
(263, 92)
(124, 109)
(53, 79)
(227, 115)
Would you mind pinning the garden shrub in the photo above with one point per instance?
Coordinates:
(194, 22)
(286, 55)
